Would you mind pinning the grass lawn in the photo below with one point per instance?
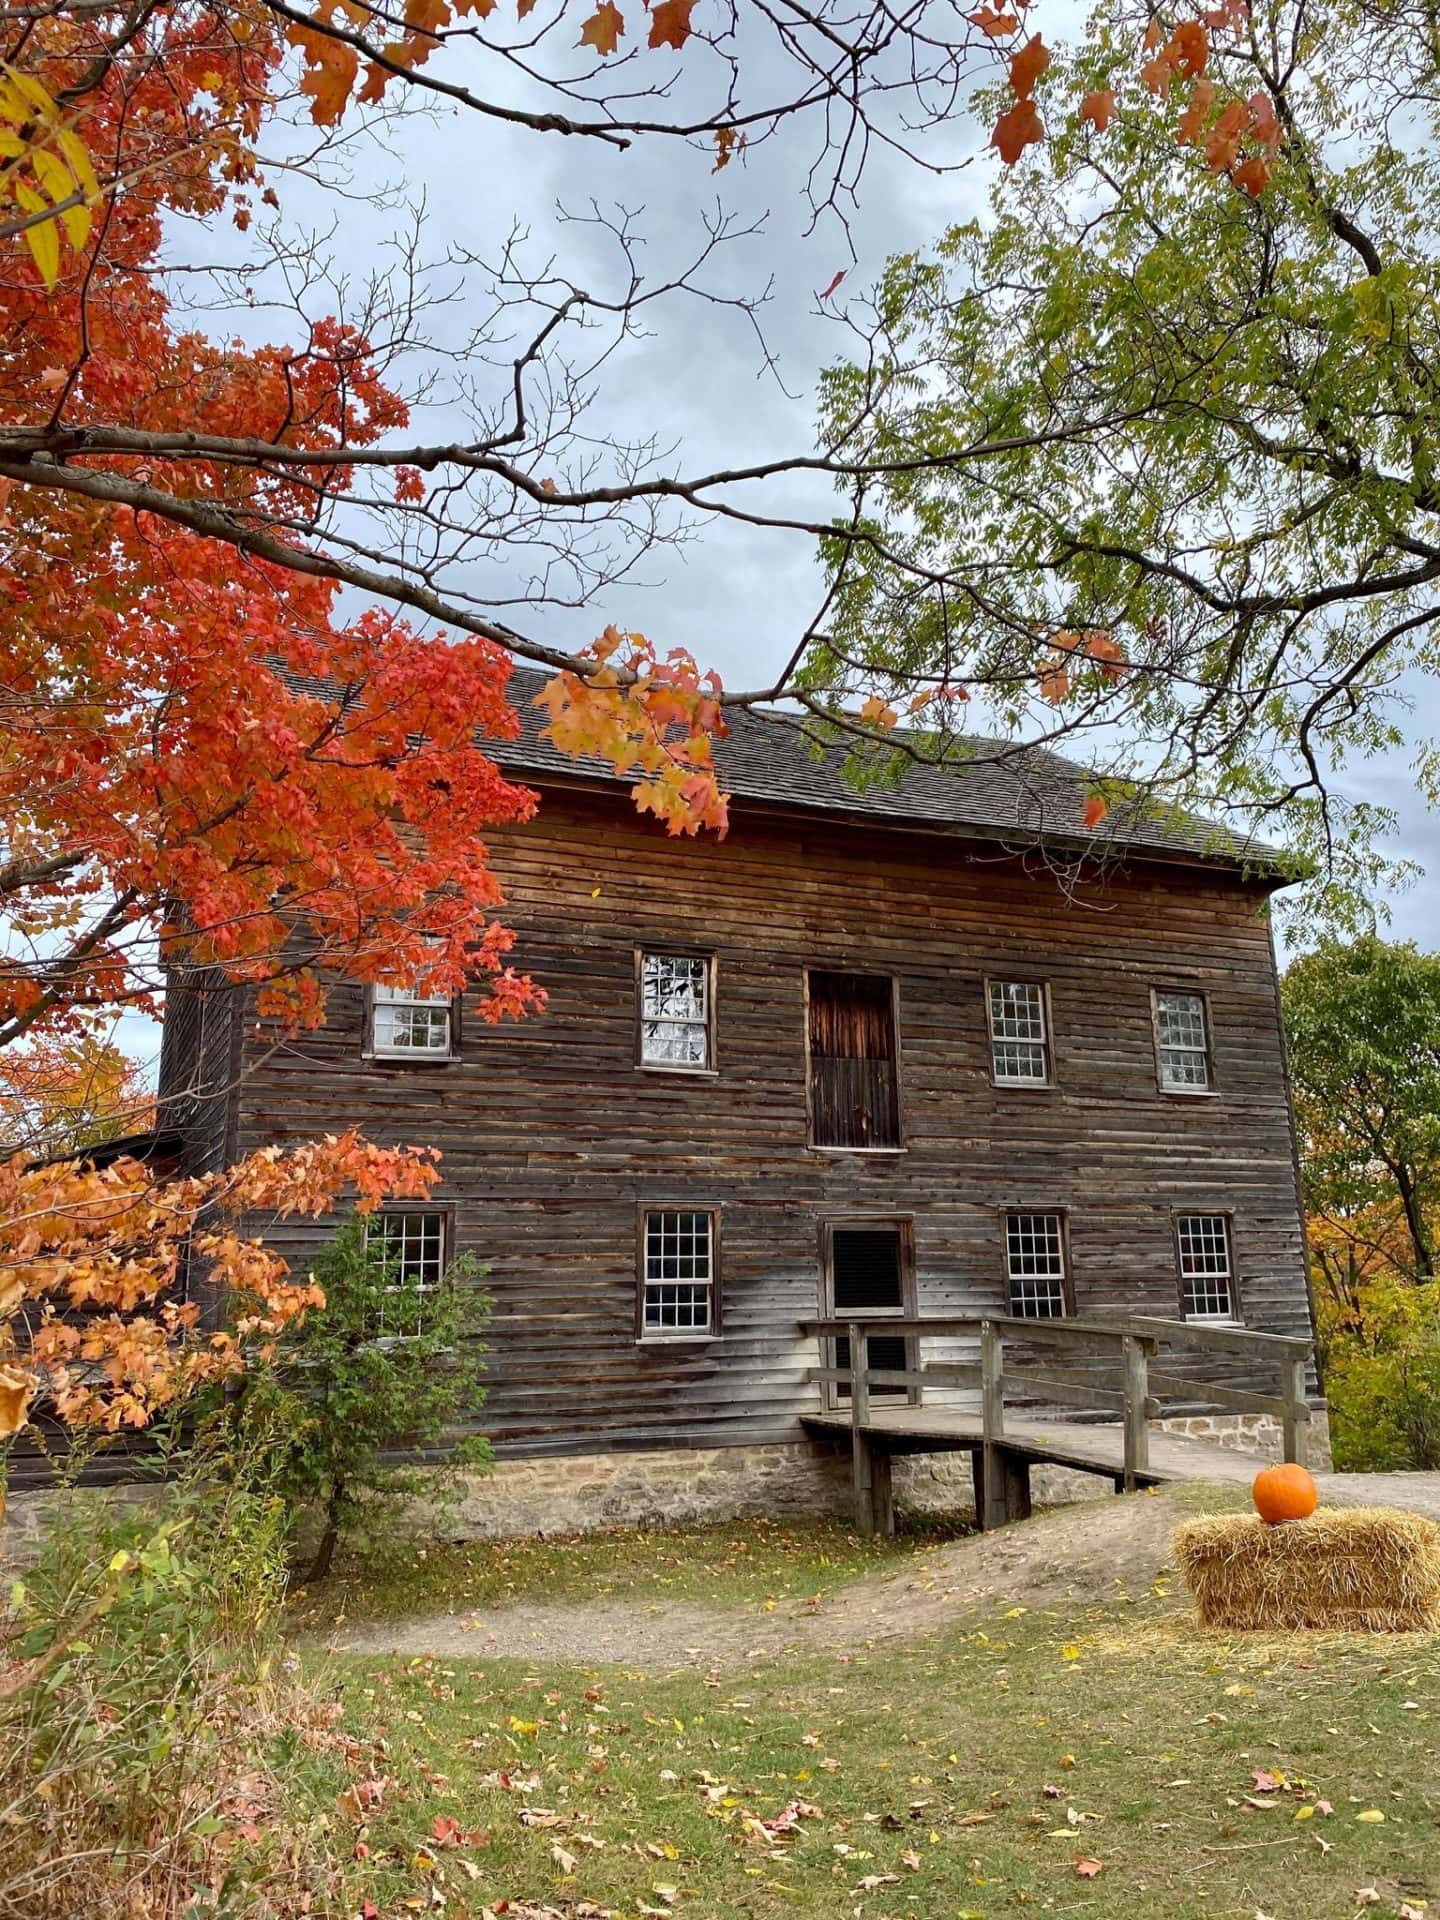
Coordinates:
(735, 1564)
(981, 1772)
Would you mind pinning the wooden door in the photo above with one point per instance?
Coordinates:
(854, 1087)
(868, 1275)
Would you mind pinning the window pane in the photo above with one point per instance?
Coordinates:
(1204, 1243)
(674, 1010)
(414, 1241)
(411, 1026)
(678, 1273)
(1184, 1043)
(1018, 1039)
(1035, 1250)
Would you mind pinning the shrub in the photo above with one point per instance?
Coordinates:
(359, 1393)
(1382, 1376)
(141, 1701)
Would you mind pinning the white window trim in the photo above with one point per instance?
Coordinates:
(1057, 1214)
(1209, 1090)
(420, 1286)
(385, 996)
(1016, 1084)
(647, 1335)
(1232, 1318)
(707, 1066)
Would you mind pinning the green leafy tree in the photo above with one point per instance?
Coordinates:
(1363, 1029)
(1161, 434)
(358, 1392)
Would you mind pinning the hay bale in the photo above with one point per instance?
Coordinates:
(1344, 1570)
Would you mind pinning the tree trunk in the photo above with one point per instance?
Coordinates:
(329, 1539)
(1416, 1223)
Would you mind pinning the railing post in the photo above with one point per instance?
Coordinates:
(1296, 1416)
(859, 1378)
(861, 1461)
(1137, 1393)
(992, 1384)
(994, 1507)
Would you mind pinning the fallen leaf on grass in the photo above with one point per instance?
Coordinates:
(1086, 1868)
(566, 1862)
(1372, 1817)
(872, 1880)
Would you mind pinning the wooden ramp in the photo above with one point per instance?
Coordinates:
(1004, 1444)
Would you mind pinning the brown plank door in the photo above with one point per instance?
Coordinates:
(854, 1079)
(868, 1275)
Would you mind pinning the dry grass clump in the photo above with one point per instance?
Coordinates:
(1344, 1570)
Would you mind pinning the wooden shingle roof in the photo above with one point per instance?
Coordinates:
(1026, 796)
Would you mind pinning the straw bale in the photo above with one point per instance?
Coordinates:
(1345, 1569)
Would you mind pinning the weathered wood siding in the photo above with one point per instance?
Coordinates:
(553, 1138)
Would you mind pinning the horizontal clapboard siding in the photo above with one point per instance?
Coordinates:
(553, 1136)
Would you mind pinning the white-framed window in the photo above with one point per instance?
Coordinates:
(678, 1283)
(675, 1010)
(1035, 1263)
(1207, 1286)
(415, 1243)
(1019, 1033)
(405, 1024)
(1182, 1040)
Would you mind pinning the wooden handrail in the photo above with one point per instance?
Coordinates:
(944, 1326)
(1139, 1337)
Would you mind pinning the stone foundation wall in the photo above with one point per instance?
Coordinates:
(677, 1485)
(1258, 1433)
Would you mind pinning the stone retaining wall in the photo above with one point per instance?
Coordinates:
(1258, 1433)
(679, 1485)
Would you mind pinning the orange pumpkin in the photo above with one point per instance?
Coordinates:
(1284, 1493)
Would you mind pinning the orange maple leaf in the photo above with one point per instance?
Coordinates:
(1222, 148)
(1252, 176)
(1016, 130)
(603, 29)
(1094, 812)
(1099, 108)
(1054, 682)
(1189, 48)
(670, 23)
(1191, 123)
(995, 24)
(1027, 65)
(330, 73)
(1263, 121)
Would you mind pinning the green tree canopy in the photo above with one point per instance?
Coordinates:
(1162, 454)
(1363, 1028)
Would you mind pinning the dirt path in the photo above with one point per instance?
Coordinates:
(1085, 1554)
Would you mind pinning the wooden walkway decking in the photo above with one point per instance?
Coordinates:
(1005, 1444)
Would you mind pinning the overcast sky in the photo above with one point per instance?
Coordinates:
(736, 598)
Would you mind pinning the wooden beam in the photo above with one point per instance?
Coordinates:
(1195, 1333)
(1237, 1399)
(1137, 1399)
(1295, 1409)
(960, 1374)
(1072, 1392)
